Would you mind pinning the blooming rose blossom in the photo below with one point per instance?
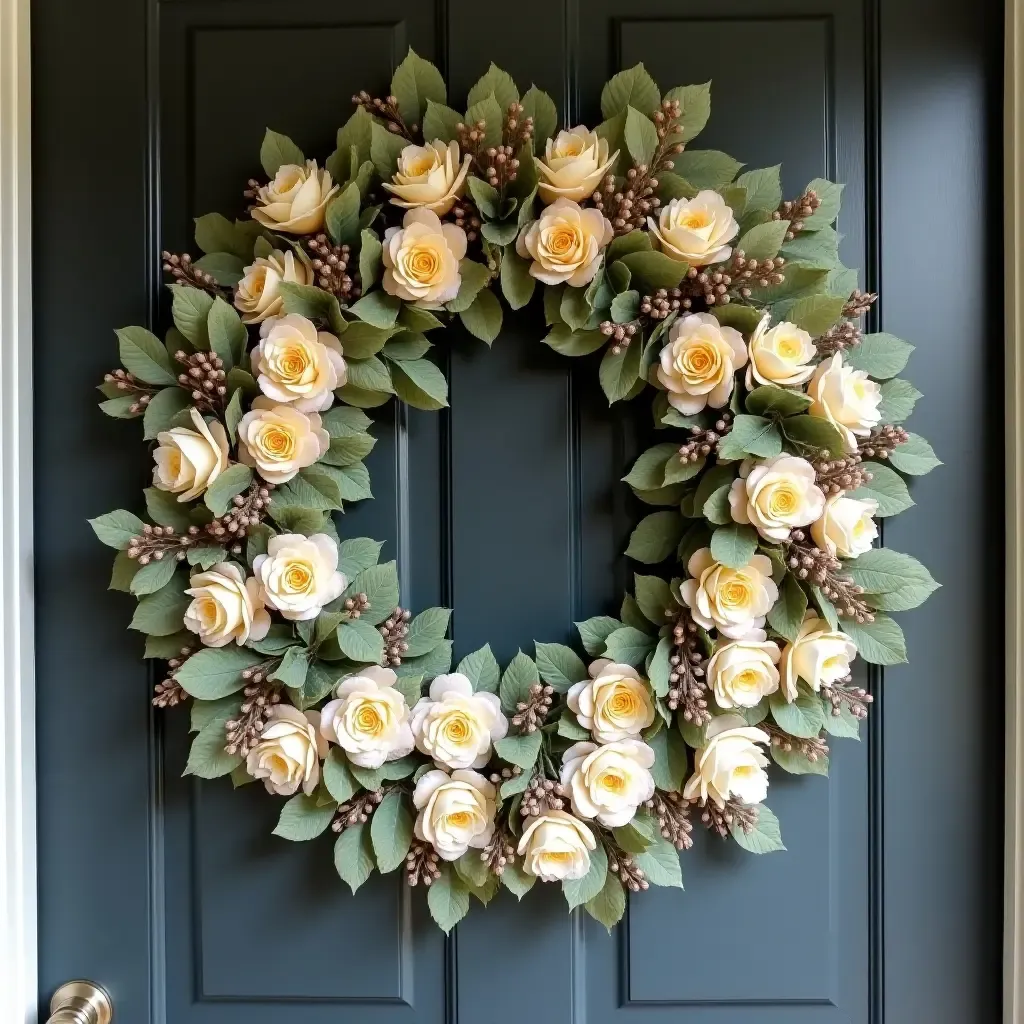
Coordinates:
(296, 364)
(782, 355)
(456, 812)
(187, 461)
(566, 243)
(454, 725)
(846, 398)
(421, 259)
(608, 782)
(258, 294)
(698, 364)
(846, 528)
(740, 673)
(695, 231)
(278, 440)
(226, 606)
(289, 750)
(776, 496)
(295, 200)
(299, 575)
(819, 655)
(730, 764)
(733, 601)
(555, 846)
(574, 163)
(429, 177)
(614, 703)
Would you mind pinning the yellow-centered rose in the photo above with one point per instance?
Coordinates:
(695, 231)
(429, 177)
(782, 355)
(226, 606)
(733, 601)
(187, 461)
(730, 764)
(566, 244)
(776, 496)
(742, 672)
(295, 200)
(456, 812)
(278, 440)
(555, 846)
(299, 575)
(697, 366)
(608, 782)
(421, 259)
(454, 725)
(819, 655)
(258, 294)
(574, 163)
(296, 364)
(846, 528)
(846, 398)
(288, 753)
(614, 704)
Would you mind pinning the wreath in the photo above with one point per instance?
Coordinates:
(782, 445)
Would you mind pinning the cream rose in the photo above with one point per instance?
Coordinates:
(187, 461)
(299, 575)
(454, 725)
(566, 243)
(846, 398)
(555, 846)
(429, 177)
(296, 364)
(573, 165)
(776, 496)
(819, 656)
(456, 812)
(614, 703)
(258, 294)
(782, 355)
(295, 200)
(697, 366)
(608, 782)
(369, 720)
(743, 671)
(226, 606)
(733, 601)
(289, 751)
(846, 528)
(421, 259)
(730, 764)
(278, 440)
(695, 231)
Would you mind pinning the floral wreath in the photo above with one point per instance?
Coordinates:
(782, 445)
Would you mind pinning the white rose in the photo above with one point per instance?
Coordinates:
(369, 720)
(295, 201)
(695, 231)
(776, 495)
(573, 165)
(226, 606)
(846, 528)
(614, 704)
(454, 725)
(430, 177)
(258, 294)
(846, 398)
(782, 355)
(697, 366)
(566, 243)
(295, 363)
(819, 655)
(289, 750)
(733, 601)
(456, 811)
(187, 461)
(421, 259)
(608, 782)
(556, 846)
(299, 575)
(743, 671)
(730, 764)
(278, 440)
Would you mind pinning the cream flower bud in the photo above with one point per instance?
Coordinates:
(226, 606)
(608, 782)
(698, 364)
(695, 231)
(846, 398)
(566, 243)
(742, 672)
(187, 461)
(289, 750)
(776, 496)
(819, 656)
(258, 294)
(846, 528)
(421, 259)
(614, 704)
(369, 720)
(456, 812)
(298, 365)
(782, 355)
(733, 601)
(429, 177)
(555, 846)
(573, 165)
(454, 725)
(299, 575)
(278, 440)
(295, 200)
(730, 764)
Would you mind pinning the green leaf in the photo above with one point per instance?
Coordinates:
(372, 779)
(751, 435)
(293, 668)
(796, 763)
(570, 728)
(474, 277)
(655, 537)
(880, 642)
(818, 249)
(595, 631)
(659, 668)
(559, 666)
(169, 645)
(568, 342)
(609, 904)
(805, 717)
(787, 613)
(165, 509)
(345, 451)
(516, 880)
(337, 778)
(207, 758)
(894, 582)
(541, 107)
(575, 309)
(519, 750)
(426, 631)
(915, 456)
(816, 313)
(370, 259)
(304, 818)
(516, 784)
(419, 383)
(123, 407)
(633, 87)
(670, 759)
(485, 196)
(764, 191)
(122, 572)
(278, 150)
(769, 400)
(489, 111)
(377, 309)
(447, 899)
(660, 863)
(734, 545)
(483, 317)
(653, 270)
(385, 149)
(232, 481)
(391, 831)
(829, 199)
(814, 432)
(411, 688)
(206, 711)
(629, 645)
(162, 411)
(162, 613)
(620, 372)
(516, 681)
(306, 300)
(153, 577)
(694, 108)
(717, 509)
(496, 83)
(408, 345)
(481, 669)
(380, 584)
(226, 269)
(214, 233)
(341, 218)
(648, 472)
(641, 136)
(216, 671)
(227, 333)
(370, 374)
(766, 836)
(414, 83)
(887, 488)
(517, 284)
(898, 400)
(353, 856)
(879, 355)
(654, 598)
(763, 241)
(440, 122)
(581, 890)
(116, 529)
(707, 168)
(144, 356)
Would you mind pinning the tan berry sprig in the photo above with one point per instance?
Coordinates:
(358, 810)
(844, 694)
(422, 864)
(687, 677)
(205, 378)
(808, 562)
(331, 265)
(394, 629)
(704, 440)
(168, 693)
(796, 211)
(184, 271)
(259, 696)
(542, 795)
(629, 872)
(531, 713)
(814, 748)
(386, 110)
(130, 385)
(721, 819)
(673, 814)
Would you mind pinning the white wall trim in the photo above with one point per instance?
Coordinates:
(18, 947)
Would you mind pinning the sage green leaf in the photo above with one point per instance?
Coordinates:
(153, 576)
(406, 346)
(414, 82)
(483, 317)
(575, 309)
(763, 241)
(161, 613)
(898, 400)
(232, 481)
(814, 433)
(796, 763)
(670, 763)
(519, 750)
(541, 107)
(653, 596)
(733, 545)
(472, 870)
(915, 456)
(648, 471)
(559, 666)
(817, 249)
(694, 108)
(570, 728)
(391, 831)
(717, 509)
(625, 306)
(447, 899)
(844, 724)
(659, 667)
(206, 555)
(594, 633)
(411, 688)
(380, 584)
(655, 537)
(880, 642)
(766, 836)
(216, 671)
(362, 341)
(816, 313)
(370, 374)
(764, 191)
(879, 355)
(631, 839)
(641, 136)
(633, 87)
(373, 779)
(481, 669)
(162, 410)
(517, 283)
(623, 245)
(385, 149)
(660, 864)
(419, 383)
(206, 711)
(769, 400)
(122, 572)
(787, 613)
(361, 641)
(124, 407)
(226, 332)
(568, 342)
(344, 451)
(829, 199)
(363, 398)
(207, 758)
(426, 631)
(677, 471)
(706, 168)
(278, 150)
(474, 277)
(116, 529)
(671, 186)
(579, 890)
(214, 233)
(496, 83)
(341, 218)
(620, 372)
(441, 122)
(894, 581)
(485, 196)
(652, 270)
(516, 880)
(293, 668)
(826, 607)
(516, 681)
(744, 318)
(629, 645)
(887, 488)
(609, 904)
(144, 356)
(516, 784)
(751, 435)
(804, 717)
(378, 309)
(353, 856)
(168, 646)
(304, 818)
(311, 491)
(227, 270)
(630, 613)
(489, 111)
(370, 259)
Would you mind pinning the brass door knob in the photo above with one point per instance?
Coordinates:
(80, 1002)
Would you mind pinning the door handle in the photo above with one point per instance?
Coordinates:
(80, 1002)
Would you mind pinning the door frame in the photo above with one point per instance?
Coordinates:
(18, 939)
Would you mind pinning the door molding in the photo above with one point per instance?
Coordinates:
(18, 947)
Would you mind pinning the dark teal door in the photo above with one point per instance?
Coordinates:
(173, 893)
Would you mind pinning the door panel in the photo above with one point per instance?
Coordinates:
(173, 892)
